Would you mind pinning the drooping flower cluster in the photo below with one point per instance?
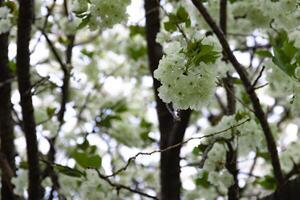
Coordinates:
(5, 20)
(216, 158)
(187, 80)
(223, 180)
(101, 14)
(215, 167)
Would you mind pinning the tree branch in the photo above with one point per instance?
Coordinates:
(223, 16)
(250, 91)
(131, 159)
(124, 187)
(258, 77)
(230, 94)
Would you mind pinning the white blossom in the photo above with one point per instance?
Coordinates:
(192, 88)
(5, 25)
(4, 12)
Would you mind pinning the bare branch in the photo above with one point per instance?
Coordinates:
(272, 148)
(124, 187)
(131, 159)
(258, 77)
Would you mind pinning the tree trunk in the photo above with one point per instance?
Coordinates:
(23, 72)
(171, 132)
(7, 149)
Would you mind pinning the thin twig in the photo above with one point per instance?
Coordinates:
(260, 86)
(172, 147)
(222, 106)
(239, 100)
(54, 51)
(258, 77)
(251, 48)
(120, 186)
(49, 12)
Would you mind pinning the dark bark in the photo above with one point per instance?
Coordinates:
(288, 191)
(64, 100)
(231, 166)
(223, 16)
(66, 79)
(170, 167)
(171, 132)
(259, 113)
(232, 154)
(25, 19)
(7, 148)
(230, 95)
(6, 175)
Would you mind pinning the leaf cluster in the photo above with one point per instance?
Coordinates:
(286, 55)
(180, 17)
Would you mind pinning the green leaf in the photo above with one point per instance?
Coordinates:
(170, 26)
(107, 121)
(203, 181)
(81, 13)
(198, 52)
(136, 30)
(119, 106)
(50, 111)
(68, 171)
(84, 145)
(145, 124)
(182, 14)
(199, 149)
(23, 165)
(267, 182)
(87, 53)
(63, 40)
(87, 161)
(137, 53)
(202, 147)
(180, 17)
(81, 158)
(196, 151)
(206, 55)
(12, 66)
(245, 98)
(237, 81)
(11, 5)
(286, 55)
(84, 22)
(144, 135)
(95, 161)
(264, 54)
(240, 115)
(188, 23)
(264, 155)
(92, 150)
